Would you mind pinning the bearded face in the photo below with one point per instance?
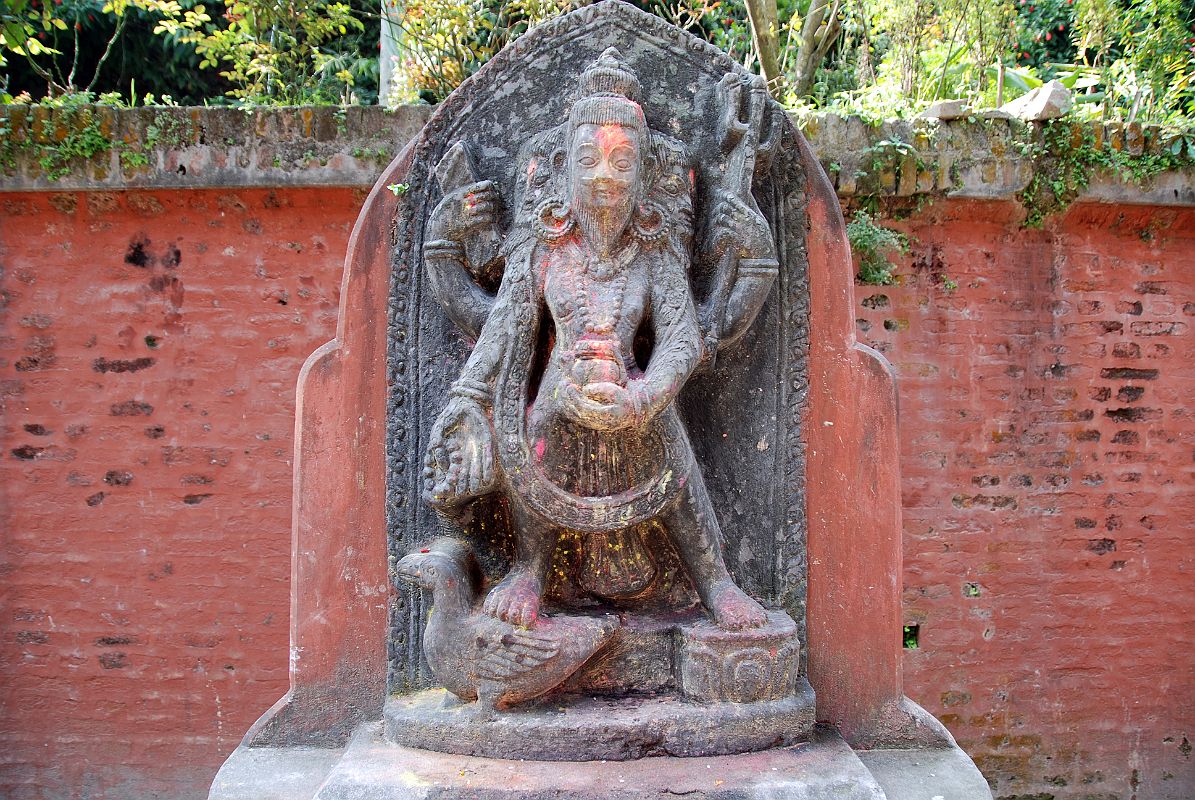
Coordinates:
(604, 173)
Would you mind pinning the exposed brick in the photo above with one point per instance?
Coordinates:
(131, 408)
(1134, 414)
(118, 477)
(1129, 394)
(1129, 307)
(1128, 374)
(1157, 328)
(119, 365)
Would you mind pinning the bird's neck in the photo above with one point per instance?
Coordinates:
(455, 599)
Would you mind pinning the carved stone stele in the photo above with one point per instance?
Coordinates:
(600, 273)
(613, 267)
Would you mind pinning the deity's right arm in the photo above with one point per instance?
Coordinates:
(480, 373)
(450, 275)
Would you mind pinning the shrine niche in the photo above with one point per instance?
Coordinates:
(552, 497)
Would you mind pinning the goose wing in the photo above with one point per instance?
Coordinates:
(514, 653)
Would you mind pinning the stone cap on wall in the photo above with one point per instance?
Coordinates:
(105, 148)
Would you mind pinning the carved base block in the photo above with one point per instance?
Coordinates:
(823, 769)
(716, 665)
(614, 729)
(373, 768)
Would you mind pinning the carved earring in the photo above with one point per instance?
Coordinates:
(552, 219)
(648, 224)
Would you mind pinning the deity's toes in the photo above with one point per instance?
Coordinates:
(734, 610)
(514, 600)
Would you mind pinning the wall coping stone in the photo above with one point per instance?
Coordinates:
(309, 146)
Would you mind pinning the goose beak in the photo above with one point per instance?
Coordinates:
(408, 569)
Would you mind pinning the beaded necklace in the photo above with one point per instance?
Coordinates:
(614, 272)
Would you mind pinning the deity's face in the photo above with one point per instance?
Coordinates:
(604, 167)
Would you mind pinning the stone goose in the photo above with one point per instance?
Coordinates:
(476, 656)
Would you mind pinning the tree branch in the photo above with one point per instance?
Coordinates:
(124, 18)
(762, 16)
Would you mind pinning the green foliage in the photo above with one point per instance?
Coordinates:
(442, 42)
(100, 47)
(272, 51)
(1130, 60)
(1065, 156)
(872, 244)
(23, 28)
(909, 637)
(84, 140)
(1043, 29)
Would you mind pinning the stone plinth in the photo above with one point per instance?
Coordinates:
(717, 665)
(373, 768)
(593, 729)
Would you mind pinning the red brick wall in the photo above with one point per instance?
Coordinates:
(146, 503)
(1048, 435)
(146, 481)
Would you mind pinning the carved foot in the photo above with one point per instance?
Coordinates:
(734, 610)
(486, 707)
(515, 599)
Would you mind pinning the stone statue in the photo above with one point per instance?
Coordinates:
(616, 337)
(579, 429)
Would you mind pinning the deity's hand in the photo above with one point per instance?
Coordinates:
(603, 406)
(464, 210)
(459, 464)
(736, 226)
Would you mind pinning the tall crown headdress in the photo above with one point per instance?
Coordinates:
(608, 92)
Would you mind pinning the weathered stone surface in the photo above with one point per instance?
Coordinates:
(946, 110)
(926, 774)
(172, 148)
(1049, 101)
(230, 152)
(375, 769)
(759, 664)
(578, 728)
(573, 465)
(274, 773)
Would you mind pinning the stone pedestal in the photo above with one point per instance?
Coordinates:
(373, 768)
(597, 729)
(716, 665)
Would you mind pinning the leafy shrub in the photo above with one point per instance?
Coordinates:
(872, 245)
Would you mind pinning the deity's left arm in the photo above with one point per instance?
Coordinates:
(751, 288)
(678, 339)
(452, 282)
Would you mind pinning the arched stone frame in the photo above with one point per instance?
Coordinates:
(349, 392)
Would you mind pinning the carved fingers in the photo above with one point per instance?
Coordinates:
(735, 225)
(463, 210)
(459, 464)
(599, 406)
